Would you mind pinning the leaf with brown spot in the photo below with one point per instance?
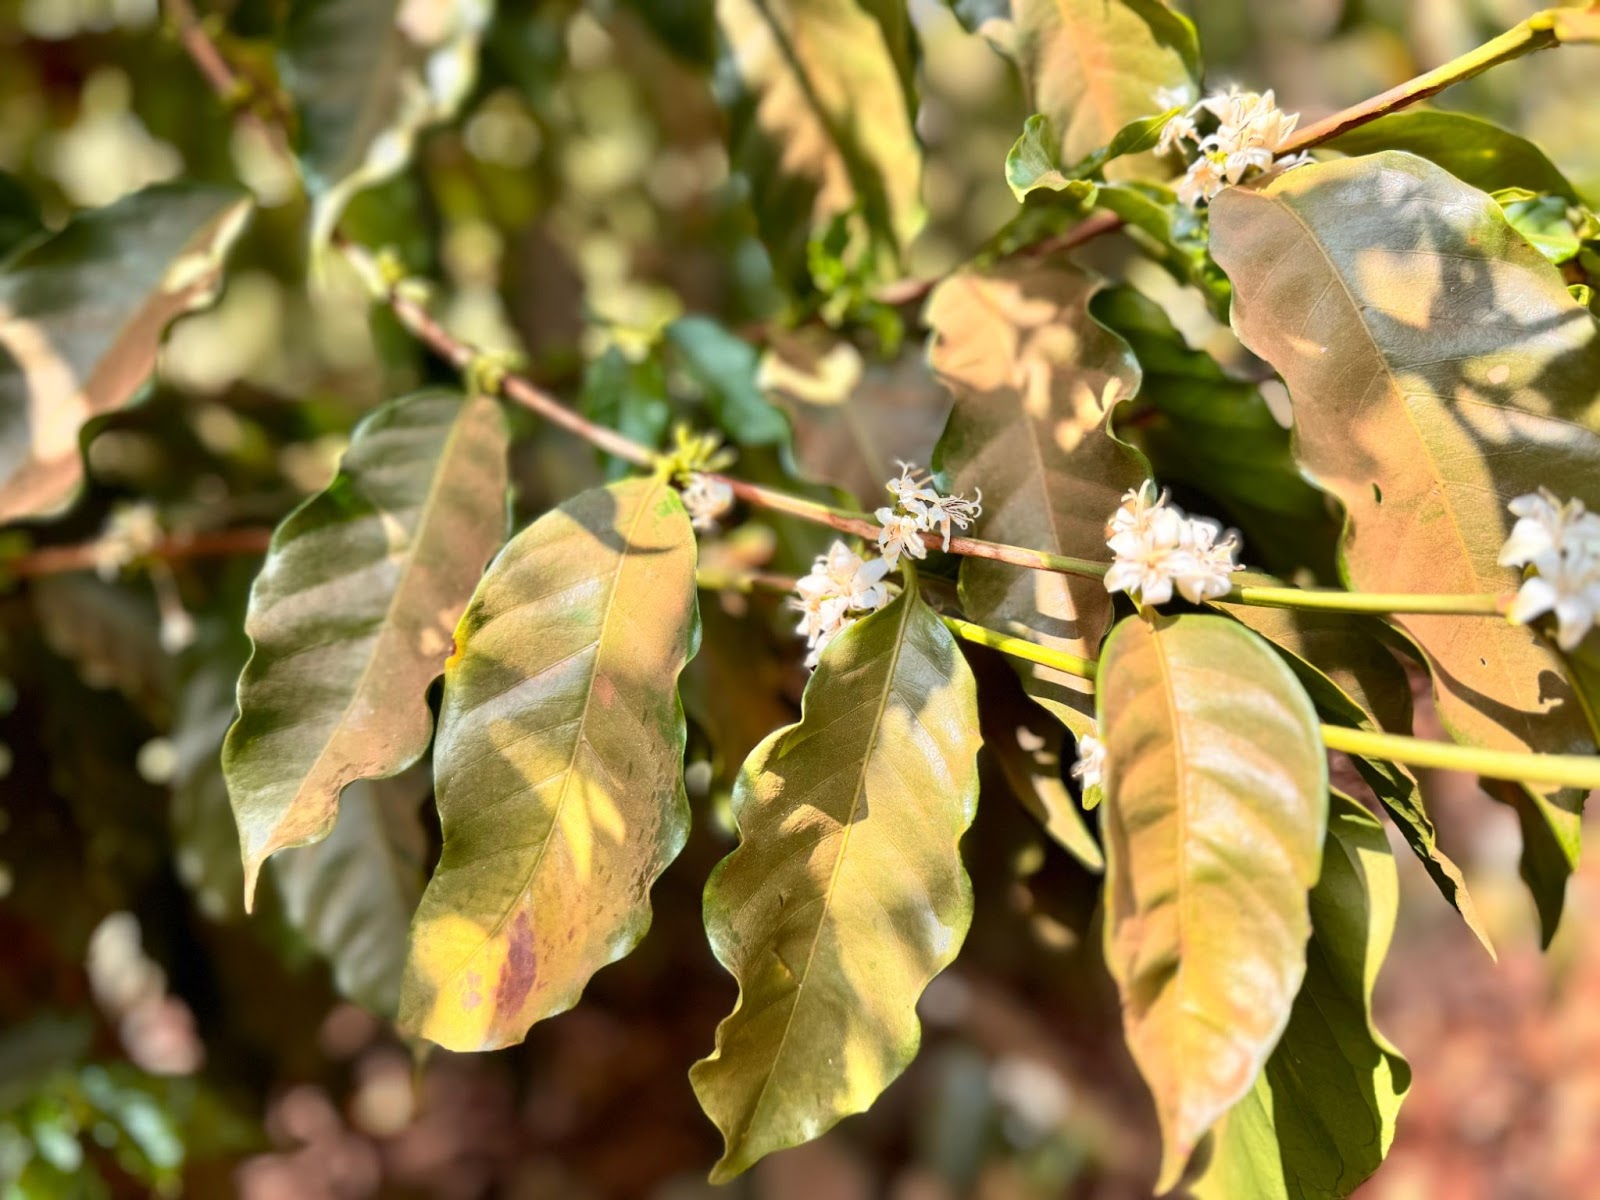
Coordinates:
(82, 316)
(352, 612)
(1215, 811)
(1030, 370)
(1438, 368)
(846, 894)
(558, 766)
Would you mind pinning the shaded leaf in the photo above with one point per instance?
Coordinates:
(1030, 370)
(1355, 681)
(1320, 1118)
(82, 314)
(1201, 428)
(352, 894)
(1215, 811)
(352, 613)
(1439, 368)
(628, 397)
(687, 27)
(846, 894)
(1093, 66)
(558, 766)
(367, 76)
(19, 215)
(1475, 151)
(823, 127)
(725, 368)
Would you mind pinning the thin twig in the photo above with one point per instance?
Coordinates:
(62, 560)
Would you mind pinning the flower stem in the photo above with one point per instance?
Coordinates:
(1083, 668)
(1560, 770)
(1332, 600)
(1552, 27)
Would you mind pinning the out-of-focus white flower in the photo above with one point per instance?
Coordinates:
(1158, 549)
(1090, 769)
(919, 508)
(841, 587)
(1175, 132)
(1205, 177)
(707, 499)
(156, 1029)
(132, 532)
(1561, 543)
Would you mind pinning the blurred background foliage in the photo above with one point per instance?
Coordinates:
(582, 207)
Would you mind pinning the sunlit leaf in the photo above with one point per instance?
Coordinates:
(558, 767)
(823, 130)
(352, 894)
(1034, 161)
(352, 613)
(1034, 376)
(1475, 151)
(1439, 368)
(1322, 1115)
(365, 77)
(1215, 811)
(1543, 221)
(82, 315)
(1093, 66)
(1202, 428)
(846, 894)
(1354, 680)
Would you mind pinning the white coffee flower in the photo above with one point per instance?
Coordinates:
(132, 532)
(1090, 769)
(1157, 549)
(707, 500)
(1204, 179)
(901, 534)
(1561, 542)
(1251, 130)
(1173, 134)
(841, 587)
(919, 508)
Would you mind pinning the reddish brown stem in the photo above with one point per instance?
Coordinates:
(61, 560)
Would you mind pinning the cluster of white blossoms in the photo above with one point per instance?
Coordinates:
(1090, 769)
(919, 509)
(132, 532)
(1561, 542)
(1251, 130)
(841, 587)
(1158, 548)
(707, 499)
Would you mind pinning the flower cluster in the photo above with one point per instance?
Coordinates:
(919, 509)
(1158, 548)
(132, 532)
(1251, 130)
(1561, 542)
(841, 587)
(689, 463)
(707, 498)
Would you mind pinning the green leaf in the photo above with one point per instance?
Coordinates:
(1171, 233)
(352, 613)
(352, 894)
(19, 215)
(1033, 162)
(823, 125)
(1215, 811)
(1093, 66)
(1543, 221)
(1475, 151)
(725, 367)
(1029, 744)
(1030, 370)
(1201, 428)
(1439, 368)
(367, 76)
(628, 397)
(686, 27)
(1322, 1115)
(82, 314)
(1355, 681)
(846, 894)
(558, 767)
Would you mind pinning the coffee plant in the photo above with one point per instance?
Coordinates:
(1208, 559)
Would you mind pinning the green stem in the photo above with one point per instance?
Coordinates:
(1083, 668)
(1476, 605)
(1559, 770)
(1553, 27)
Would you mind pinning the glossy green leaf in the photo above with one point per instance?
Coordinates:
(846, 894)
(1201, 428)
(1214, 816)
(1034, 163)
(558, 767)
(352, 613)
(19, 215)
(1356, 681)
(1034, 377)
(82, 315)
(1093, 66)
(823, 127)
(1439, 368)
(366, 77)
(1544, 222)
(725, 368)
(352, 894)
(1475, 151)
(1321, 1117)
